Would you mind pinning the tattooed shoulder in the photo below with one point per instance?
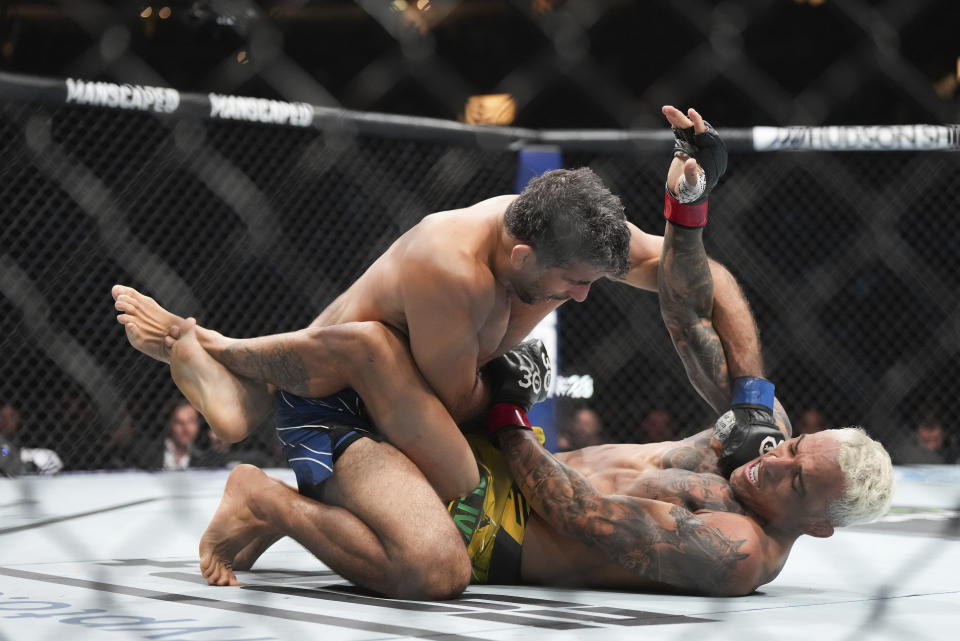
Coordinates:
(699, 492)
(692, 454)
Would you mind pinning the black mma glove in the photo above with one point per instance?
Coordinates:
(689, 207)
(747, 430)
(519, 379)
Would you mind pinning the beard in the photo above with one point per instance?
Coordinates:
(534, 295)
(530, 291)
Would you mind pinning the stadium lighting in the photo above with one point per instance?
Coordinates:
(490, 109)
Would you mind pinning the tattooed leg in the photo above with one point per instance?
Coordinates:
(376, 362)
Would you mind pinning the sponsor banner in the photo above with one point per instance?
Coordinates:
(574, 386)
(273, 112)
(857, 138)
(108, 94)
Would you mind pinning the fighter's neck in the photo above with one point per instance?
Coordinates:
(500, 247)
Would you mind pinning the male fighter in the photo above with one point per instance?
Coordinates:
(525, 294)
(463, 287)
(652, 516)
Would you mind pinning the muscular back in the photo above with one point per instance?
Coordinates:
(438, 284)
(457, 241)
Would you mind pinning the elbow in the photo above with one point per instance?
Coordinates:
(733, 589)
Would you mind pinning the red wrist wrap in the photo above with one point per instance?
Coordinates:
(504, 414)
(686, 215)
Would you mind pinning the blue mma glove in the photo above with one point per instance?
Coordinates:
(747, 430)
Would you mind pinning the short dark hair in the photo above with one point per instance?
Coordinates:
(569, 215)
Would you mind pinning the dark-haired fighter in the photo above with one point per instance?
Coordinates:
(652, 516)
(462, 287)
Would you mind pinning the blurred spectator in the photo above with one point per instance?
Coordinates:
(927, 443)
(80, 423)
(178, 447)
(809, 421)
(120, 448)
(582, 429)
(9, 419)
(656, 427)
(32, 460)
(10, 464)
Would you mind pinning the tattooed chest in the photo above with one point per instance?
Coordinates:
(688, 489)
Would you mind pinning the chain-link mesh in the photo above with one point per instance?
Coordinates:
(849, 262)
(848, 259)
(253, 231)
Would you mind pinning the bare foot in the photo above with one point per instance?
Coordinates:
(234, 526)
(147, 324)
(248, 556)
(222, 398)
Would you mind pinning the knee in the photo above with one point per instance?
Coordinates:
(434, 575)
(465, 480)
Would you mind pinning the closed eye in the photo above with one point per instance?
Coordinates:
(801, 486)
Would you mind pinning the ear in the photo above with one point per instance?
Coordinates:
(521, 256)
(819, 528)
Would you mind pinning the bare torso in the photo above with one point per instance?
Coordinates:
(643, 471)
(458, 239)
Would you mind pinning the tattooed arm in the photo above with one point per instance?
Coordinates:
(686, 303)
(716, 337)
(717, 554)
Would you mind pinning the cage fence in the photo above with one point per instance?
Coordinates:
(230, 210)
(847, 257)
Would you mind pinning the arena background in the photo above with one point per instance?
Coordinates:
(849, 258)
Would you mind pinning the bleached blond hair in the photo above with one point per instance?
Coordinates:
(868, 478)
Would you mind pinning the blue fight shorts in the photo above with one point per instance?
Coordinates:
(316, 431)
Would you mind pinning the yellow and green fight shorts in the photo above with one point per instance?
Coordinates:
(492, 519)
